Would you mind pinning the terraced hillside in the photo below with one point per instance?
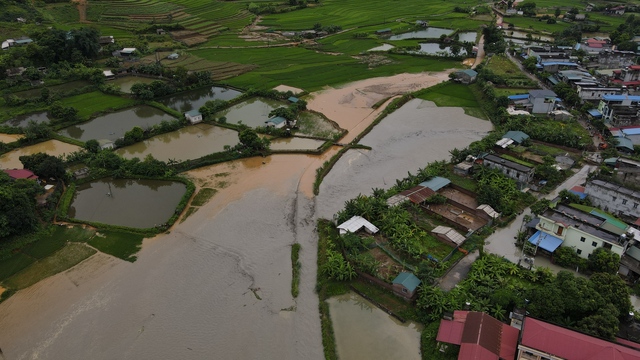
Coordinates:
(220, 70)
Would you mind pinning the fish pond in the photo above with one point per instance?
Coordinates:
(127, 202)
(363, 331)
(430, 33)
(436, 49)
(467, 37)
(253, 112)
(11, 160)
(113, 126)
(190, 142)
(125, 83)
(23, 120)
(195, 99)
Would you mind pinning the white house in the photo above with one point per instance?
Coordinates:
(543, 101)
(193, 116)
(510, 168)
(277, 122)
(614, 198)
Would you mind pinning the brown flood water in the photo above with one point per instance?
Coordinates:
(9, 138)
(11, 159)
(295, 143)
(363, 331)
(190, 142)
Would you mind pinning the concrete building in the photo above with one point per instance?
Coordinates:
(543, 101)
(589, 93)
(614, 198)
(466, 76)
(514, 170)
(193, 116)
(615, 59)
(612, 106)
(581, 231)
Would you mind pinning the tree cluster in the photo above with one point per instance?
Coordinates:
(17, 206)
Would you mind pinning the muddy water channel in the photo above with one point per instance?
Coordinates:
(125, 83)
(253, 112)
(23, 120)
(190, 142)
(11, 159)
(113, 126)
(126, 202)
(191, 100)
(363, 331)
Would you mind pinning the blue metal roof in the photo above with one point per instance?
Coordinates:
(559, 63)
(408, 280)
(518, 97)
(631, 130)
(552, 79)
(624, 143)
(277, 120)
(195, 112)
(469, 72)
(581, 195)
(517, 136)
(620, 97)
(545, 241)
(436, 183)
(595, 113)
(293, 99)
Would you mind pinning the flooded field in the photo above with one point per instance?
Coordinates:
(253, 112)
(363, 331)
(437, 49)
(125, 83)
(23, 120)
(11, 159)
(312, 124)
(113, 126)
(430, 33)
(467, 36)
(126, 202)
(190, 142)
(295, 143)
(195, 99)
(9, 138)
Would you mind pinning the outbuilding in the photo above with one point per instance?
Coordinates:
(356, 223)
(466, 76)
(405, 284)
(193, 116)
(277, 122)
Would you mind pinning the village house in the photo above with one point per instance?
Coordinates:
(479, 335)
(448, 235)
(125, 53)
(614, 59)
(466, 76)
(574, 78)
(590, 93)
(612, 105)
(160, 32)
(277, 122)
(618, 10)
(106, 40)
(193, 116)
(614, 198)
(584, 232)
(593, 46)
(355, 224)
(512, 169)
(173, 56)
(513, 137)
(542, 101)
(405, 284)
(541, 340)
(16, 174)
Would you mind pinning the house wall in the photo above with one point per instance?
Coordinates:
(615, 60)
(596, 93)
(540, 106)
(527, 353)
(573, 238)
(512, 173)
(613, 201)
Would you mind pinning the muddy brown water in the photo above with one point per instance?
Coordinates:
(9, 138)
(363, 331)
(11, 159)
(126, 202)
(23, 120)
(115, 125)
(253, 112)
(195, 99)
(190, 142)
(125, 83)
(295, 143)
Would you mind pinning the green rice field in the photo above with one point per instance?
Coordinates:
(94, 102)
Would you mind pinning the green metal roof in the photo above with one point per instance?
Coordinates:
(436, 183)
(517, 136)
(408, 280)
(195, 112)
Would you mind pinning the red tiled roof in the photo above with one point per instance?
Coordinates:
(480, 336)
(629, 343)
(637, 222)
(578, 188)
(594, 45)
(634, 67)
(418, 194)
(21, 174)
(571, 345)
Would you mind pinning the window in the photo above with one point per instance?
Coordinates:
(594, 244)
(624, 201)
(404, 290)
(607, 246)
(579, 251)
(560, 230)
(613, 198)
(582, 239)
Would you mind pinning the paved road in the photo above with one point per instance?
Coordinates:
(502, 241)
(458, 272)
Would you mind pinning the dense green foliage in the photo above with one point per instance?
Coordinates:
(17, 206)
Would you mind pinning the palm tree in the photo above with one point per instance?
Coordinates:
(498, 312)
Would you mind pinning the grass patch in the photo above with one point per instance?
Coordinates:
(454, 95)
(120, 244)
(95, 102)
(188, 213)
(14, 264)
(203, 196)
(295, 269)
(65, 258)
(391, 301)
(516, 160)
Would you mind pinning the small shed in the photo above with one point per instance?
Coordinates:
(487, 209)
(436, 183)
(383, 32)
(106, 144)
(356, 223)
(160, 31)
(405, 284)
(466, 76)
(293, 99)
(463, 168)
(517, 136)
(193, 116)
(173, 56)
(448, 235)
(277, 122)
(127, 52)
(108, 74)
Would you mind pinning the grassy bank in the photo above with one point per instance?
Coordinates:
(454, 95)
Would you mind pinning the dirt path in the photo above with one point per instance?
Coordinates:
(480, 55)
(82, 10)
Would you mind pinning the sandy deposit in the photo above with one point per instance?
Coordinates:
(285, 88)
(218, 286)
(351, 105)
